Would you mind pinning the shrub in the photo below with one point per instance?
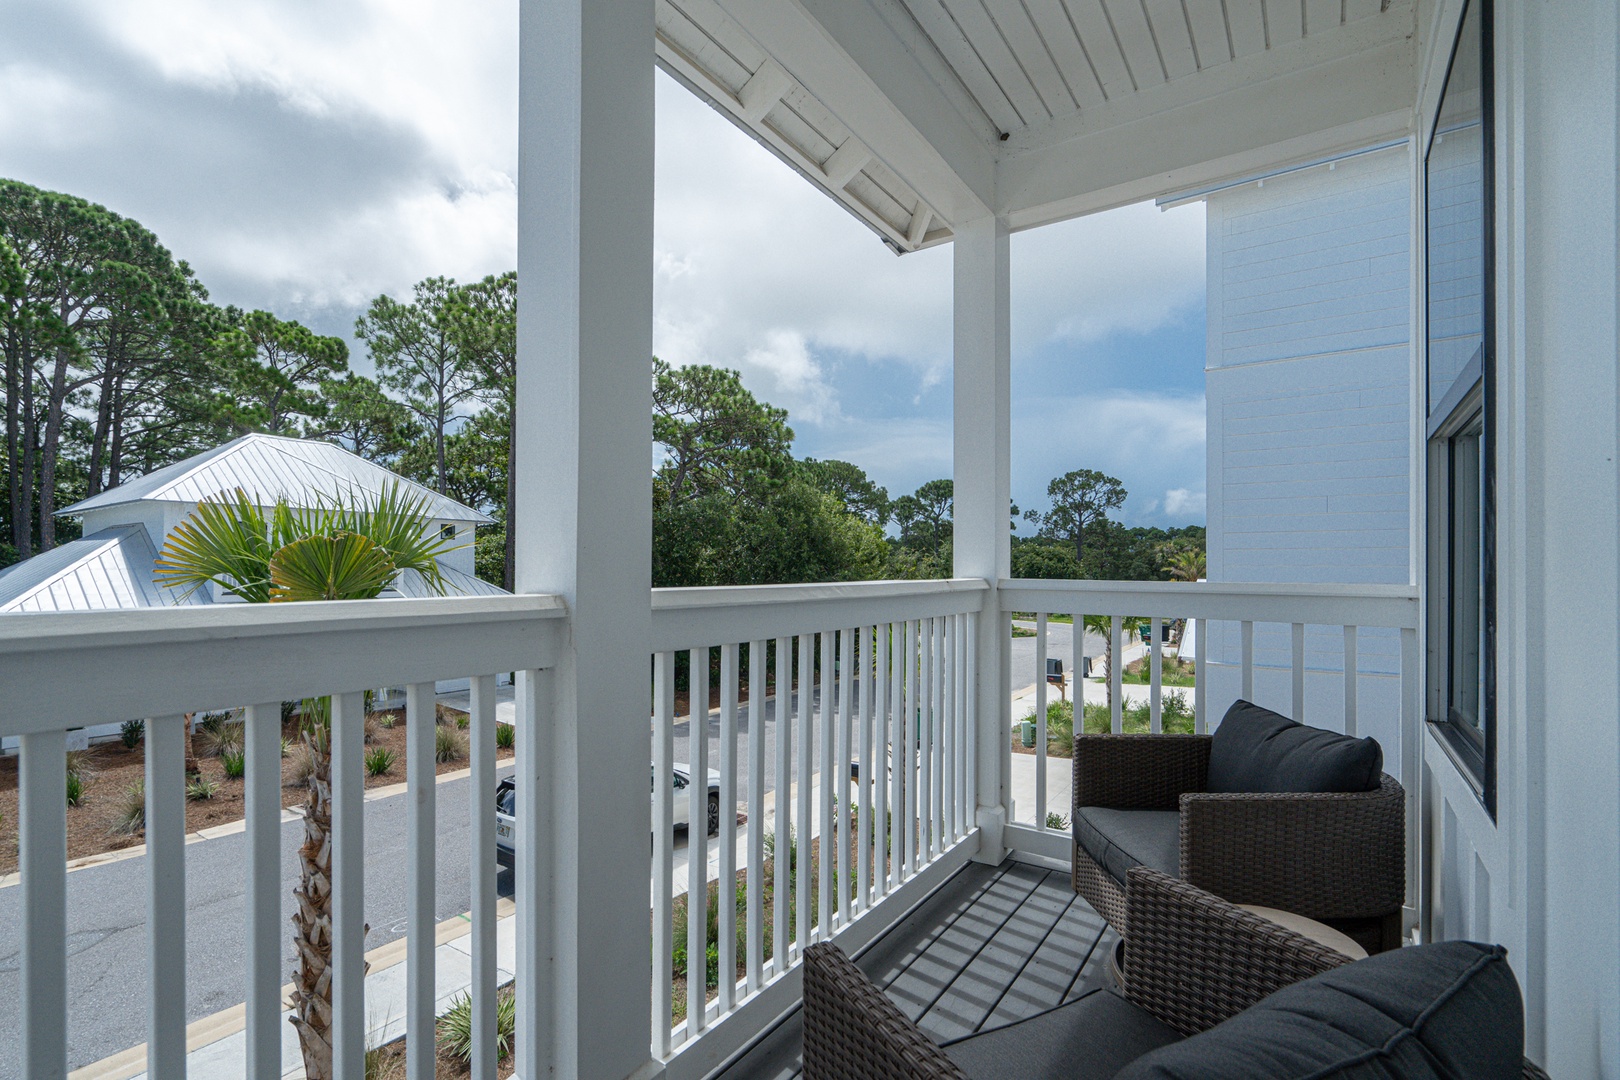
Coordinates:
(386, 721)
(505, 736)
(131, 816)
(75, 788)
(462, 721)
(1055, 820)
(216, 738)
(132, 731)
(369, 729)
(454, 1028)
(448, 745)
(235, 762)
(303, 765)
(286, 747)
(202, 788)
(78, 763)
(379, 759)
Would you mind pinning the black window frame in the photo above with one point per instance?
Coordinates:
(1472, 393)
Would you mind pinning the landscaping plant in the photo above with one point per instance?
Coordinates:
(132, 731)
(505, 736)
(448, 744)
(132, 810)
(455, 1032)
(201, 789)
(235, 763)
(379, 759)
(339, 550)
(75, 788)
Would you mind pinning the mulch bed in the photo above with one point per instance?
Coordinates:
(110, 770)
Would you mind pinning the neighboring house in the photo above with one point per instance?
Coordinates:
(1309, 387)
(112, 565)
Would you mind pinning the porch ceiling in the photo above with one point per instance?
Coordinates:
(918, 115)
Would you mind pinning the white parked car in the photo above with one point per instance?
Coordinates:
(506, 809)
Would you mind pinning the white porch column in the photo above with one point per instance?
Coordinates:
(983, 492)
(584, 531)
(1558, 556)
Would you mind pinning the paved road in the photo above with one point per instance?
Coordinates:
(106, 919)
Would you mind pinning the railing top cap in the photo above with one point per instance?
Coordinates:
(736, 595)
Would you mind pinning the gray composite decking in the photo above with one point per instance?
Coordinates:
(993, 945)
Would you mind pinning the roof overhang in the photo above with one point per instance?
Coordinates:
(919, 115)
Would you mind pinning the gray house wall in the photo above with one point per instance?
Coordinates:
(1309, 408)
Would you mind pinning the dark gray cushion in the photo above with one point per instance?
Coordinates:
(1090, 1038)
(1120, 839)
(1256, 749)
(1449, 1011)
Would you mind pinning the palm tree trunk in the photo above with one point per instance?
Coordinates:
(312, 921)
(193, 766)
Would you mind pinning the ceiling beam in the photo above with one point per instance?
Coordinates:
(1245, 117)
(891, 91)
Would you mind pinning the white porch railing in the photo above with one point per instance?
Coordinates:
(73, 670)
(859, 716)
(1303, 676)
(867, 693)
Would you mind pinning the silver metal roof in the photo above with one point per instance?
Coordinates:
(110, 569)
(268, 467)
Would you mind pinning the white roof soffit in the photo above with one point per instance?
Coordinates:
(709, 50)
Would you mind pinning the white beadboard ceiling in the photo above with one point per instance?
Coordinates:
(1030, 61)
(702, 46)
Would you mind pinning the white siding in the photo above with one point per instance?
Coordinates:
(1309, 397)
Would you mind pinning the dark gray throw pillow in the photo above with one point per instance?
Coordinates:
(1448, 1011)
(1256, 749)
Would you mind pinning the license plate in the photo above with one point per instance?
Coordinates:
(503, 831)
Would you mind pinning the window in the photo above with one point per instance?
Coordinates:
(1460, 311)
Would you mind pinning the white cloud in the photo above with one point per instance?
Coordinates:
(1182, 502)
(1151, 442)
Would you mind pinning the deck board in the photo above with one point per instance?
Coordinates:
(994, 945)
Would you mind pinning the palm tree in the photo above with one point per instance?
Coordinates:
(1187, 564)
(337, 550)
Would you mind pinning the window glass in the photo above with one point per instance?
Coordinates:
(1456, 217)
(1465, 592)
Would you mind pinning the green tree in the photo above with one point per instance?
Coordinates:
(924, 517)
(277, 368)
(717, 437)
(334, 551)
(1079, 499)
(850, 485)
(361, 418)
(417, 349)
(486, 327)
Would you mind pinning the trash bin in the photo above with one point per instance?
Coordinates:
(1027, 730)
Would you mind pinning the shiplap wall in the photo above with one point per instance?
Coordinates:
(1308, 391)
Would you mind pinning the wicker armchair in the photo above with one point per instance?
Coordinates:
(1194, 962)
(1338, 858)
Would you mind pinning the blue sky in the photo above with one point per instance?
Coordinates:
(306, 158)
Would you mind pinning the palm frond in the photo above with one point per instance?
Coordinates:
(344, 566)
(225, 541)
(400, 523)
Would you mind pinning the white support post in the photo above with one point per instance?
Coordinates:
(583, 531)
(982, 471)
(166, 896)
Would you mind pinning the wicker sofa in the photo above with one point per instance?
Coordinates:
(1336, 856)
(1213, 992)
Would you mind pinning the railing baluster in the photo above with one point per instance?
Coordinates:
(863, 787)
(348, 740)
(663, 843)
(938, 669)
(1040, 721)
(1248, 660)
(911, 723)
(1299, 672)
(1116, 670)
(846, 806)
(786, 691)
(534, 850)
(949, 667)
(807, 720)
(481, 813)
(261, 804)
(970, 652)
(725, 895)
(1077, 682)
(899, 758)
(42, 865)
(1200, 651)
(697, 842)
(420, 909)
(882, 764)
(827, 775)
(755, 928)
(927, 789)
(1352, 676)
(1156, 677)
(166, 896)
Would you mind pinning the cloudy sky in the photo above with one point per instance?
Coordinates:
(306, 156)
